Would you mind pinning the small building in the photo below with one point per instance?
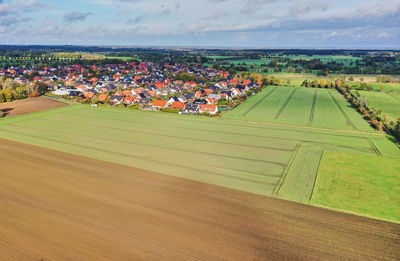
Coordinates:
(208, 108)
(179, 106)
(103, 97)
(160, 104)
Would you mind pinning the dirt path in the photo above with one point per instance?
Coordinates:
(58, 206)
(29, 105)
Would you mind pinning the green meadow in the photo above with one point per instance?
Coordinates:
(320, 108)
(381, 87)
(388, 103)
(368, 185)
(280, 160)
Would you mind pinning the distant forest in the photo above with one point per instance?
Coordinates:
(316, 61)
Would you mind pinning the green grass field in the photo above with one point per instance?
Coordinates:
(388, 103)
(269, 159)
(246, 156)
(382, 87)
(319, 108)
(367, 185)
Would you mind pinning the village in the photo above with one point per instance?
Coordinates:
(175, 88)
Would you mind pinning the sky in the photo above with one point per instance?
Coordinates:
(208, 23)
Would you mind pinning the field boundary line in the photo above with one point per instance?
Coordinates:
(348, 120)
(281, 181)
(307, 127)
(376, 150)
(260, 101)
(284, 105)
(316, 176)
(311, 119)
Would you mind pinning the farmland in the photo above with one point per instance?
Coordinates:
(388, 103)
(266, 159)
(29, 105)
(59, 206)
(381, 87)
(367, 177)
(301, 106)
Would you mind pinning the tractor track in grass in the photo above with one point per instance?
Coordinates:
(107, 211)
(153, 146)
(148, 159)
(149, 133)
(266, 126)
(238, 134)
(316, 176)
(285, 104)
(259, 102)
(281, 181)
(348, 120)
(311, 118)
(294, 128)
(374, 148)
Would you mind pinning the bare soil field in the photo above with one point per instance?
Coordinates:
(29, 105)
(59, 206)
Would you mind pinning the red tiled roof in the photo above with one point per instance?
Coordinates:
(179, 105)
(159, 103)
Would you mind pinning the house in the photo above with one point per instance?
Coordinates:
(199, 93)
(210, 109)
(127, 92)
(189, 96)
(211, 101)
(75, 93)
(89, 95)
(199, 102)
(160, 104)
(172, 100)
(103, 97)
(129, 100)
(116, 99)
(215, 96)
(191, 108)
(144, 101)
(182, 98)
(179, 106)
(62, 91)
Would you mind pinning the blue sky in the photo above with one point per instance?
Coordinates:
(220, 23)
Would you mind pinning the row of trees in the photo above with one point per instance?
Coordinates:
(373, 115)
(323, 83)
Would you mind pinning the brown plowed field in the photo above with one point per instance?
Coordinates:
(58, 206)
(29, 105)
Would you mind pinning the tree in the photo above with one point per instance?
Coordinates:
(396, 129)
(94, 100)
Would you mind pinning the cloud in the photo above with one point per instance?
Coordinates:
(250, 22)
(75, 16)
(12, 13)
(138, 19)
(253, 6)
(383, 35)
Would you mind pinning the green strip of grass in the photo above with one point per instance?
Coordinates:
(359, 184)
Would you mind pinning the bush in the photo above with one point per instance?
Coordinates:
(171, 110)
